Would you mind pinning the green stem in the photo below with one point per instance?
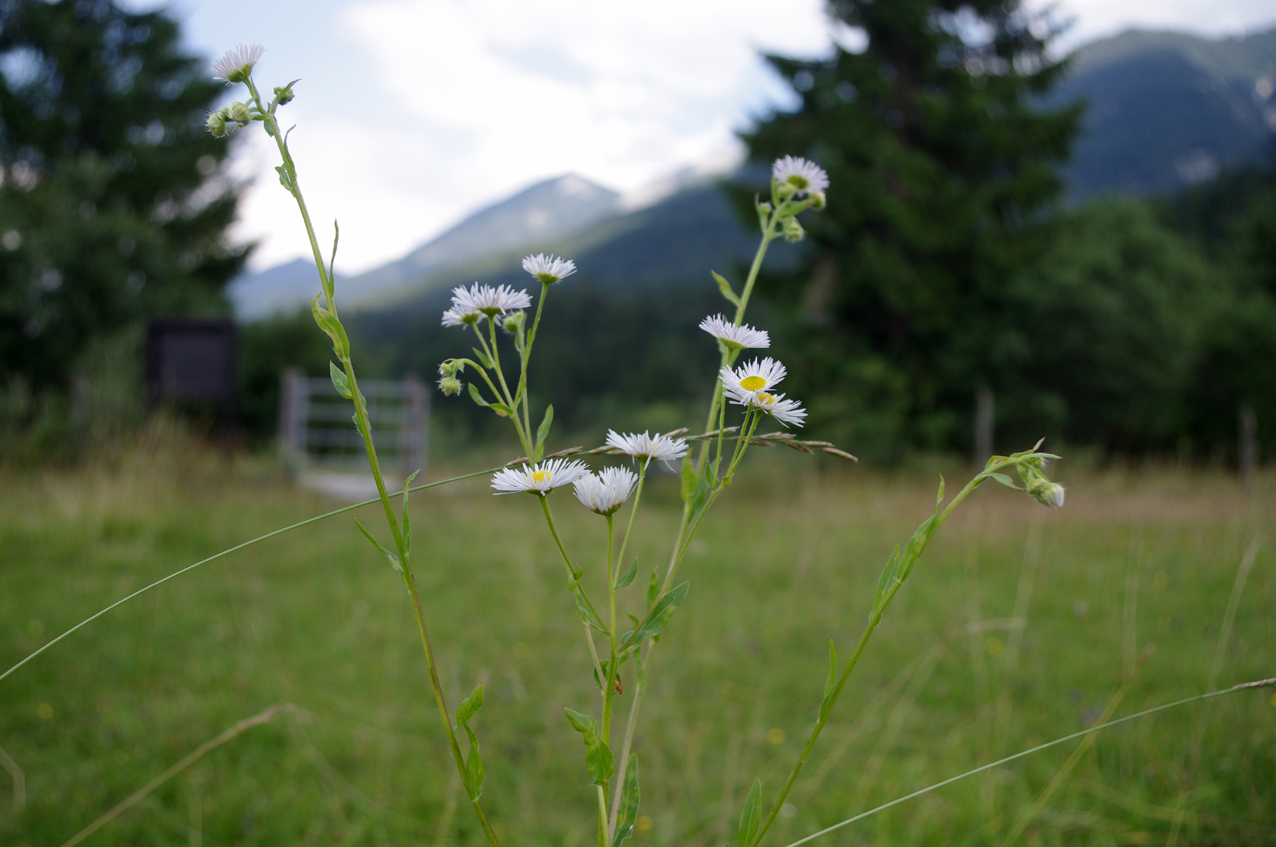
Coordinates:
(523, 435)
(873, 621)
(603, 839)
(571, 569)
(610, 682)
(630, 726)
(235, 549)
(1262, 683)
(620, 560)
(526, 356)
(365, 430)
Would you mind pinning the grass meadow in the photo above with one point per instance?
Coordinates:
(1018, 626)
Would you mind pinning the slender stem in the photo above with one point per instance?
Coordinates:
(527, 355)
(235, 549)
(620, 560)
(630, 726)
(1262, 683)
(610, 680)
(571, 569)
(523, 435)
(873, 621)
(603, 838)
(365, 430)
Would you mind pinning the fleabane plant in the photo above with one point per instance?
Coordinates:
(495, 377)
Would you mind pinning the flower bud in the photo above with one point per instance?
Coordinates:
(284, 94)
(450, 367)
(818, 201)
(785, 190)
(216, 124)
(450, 385)
(513, 322)
(793, 230)
(1047, 493)
(239, 113)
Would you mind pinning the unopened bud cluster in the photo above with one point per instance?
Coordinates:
(1045, 492)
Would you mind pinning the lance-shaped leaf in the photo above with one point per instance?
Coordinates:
(627, 577)
(587, 614)
(1003, 479)
(339, 381)
(332, 327)
(659, 616)
(725, 288)
(751, 817)
(542, 432)
(629, 797)
(483, 357)
(475, 775)
(476, 396)
(389, 554)
(890, 575)
(598, 758)
(407, 527)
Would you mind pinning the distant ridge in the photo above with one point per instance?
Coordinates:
(548, 211)
(1168, 109)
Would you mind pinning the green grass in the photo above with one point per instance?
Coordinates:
(788, 560)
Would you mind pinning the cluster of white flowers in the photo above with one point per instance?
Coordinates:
(751, 386)
(662, 448)
(471, 305)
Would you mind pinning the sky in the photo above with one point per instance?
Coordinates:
(412, 114)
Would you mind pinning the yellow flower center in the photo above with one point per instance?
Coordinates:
(539, 477)
(752, 383)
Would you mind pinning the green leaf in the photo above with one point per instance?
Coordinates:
(890, 575)
(499, 408)
(587, 614)
(469, 707)
(475, 775)
(407, 527)
(661, 614)
(483, 357)
(598, 758)
(689, 479)
(725, 288)
(751, 817)
(629, 797)
(653, 588)
(1004, 480)
(331, 327)
(476, 396)
(831, 682)
(284, 180)
(627, 577)
(339, 381)
(392, 556)
(542, 432)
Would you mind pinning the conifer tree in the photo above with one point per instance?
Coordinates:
(112, 203)
(942, 164)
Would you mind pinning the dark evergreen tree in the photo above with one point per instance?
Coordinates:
(112, 202)
(942, 165)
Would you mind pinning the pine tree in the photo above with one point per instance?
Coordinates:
(943, 170)
(112, 203)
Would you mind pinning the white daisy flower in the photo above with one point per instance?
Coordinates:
(606, 491)
(800, 173)
(538, 479)
(784, 411)
(735, 337)
(237, 64)
(548, 269)
(456, 316)
(748, 379)
(660, 449)
(486, 300)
